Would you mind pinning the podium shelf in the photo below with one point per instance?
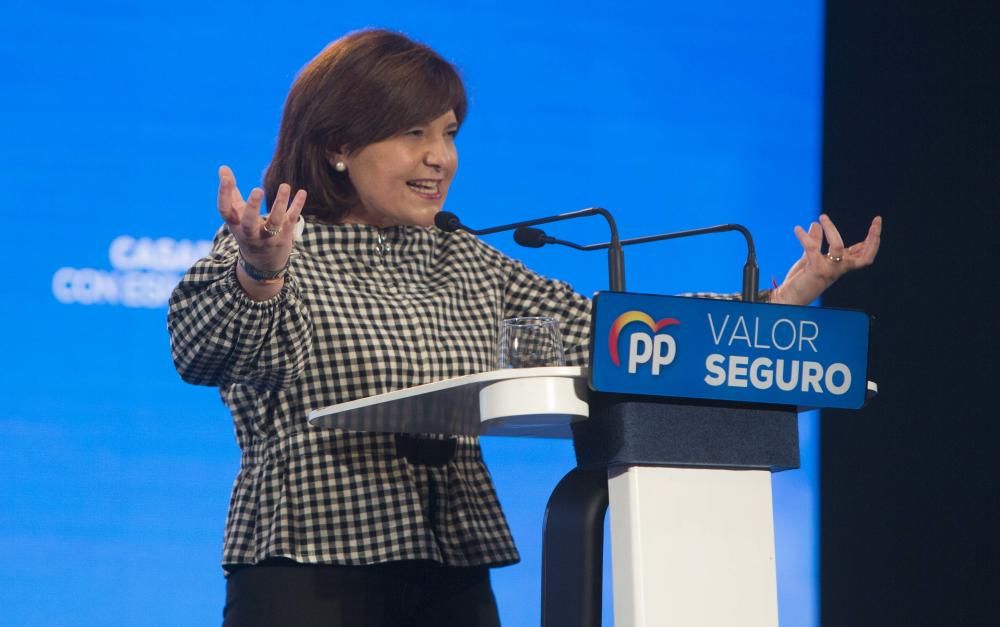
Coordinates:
(526, 402)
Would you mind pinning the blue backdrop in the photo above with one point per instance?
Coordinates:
(115, 474)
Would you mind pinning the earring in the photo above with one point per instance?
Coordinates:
(340, 166)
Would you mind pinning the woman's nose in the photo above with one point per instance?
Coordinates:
(440, 154)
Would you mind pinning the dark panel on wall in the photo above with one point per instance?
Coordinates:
(910, 514)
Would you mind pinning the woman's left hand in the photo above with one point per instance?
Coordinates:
(815, 270)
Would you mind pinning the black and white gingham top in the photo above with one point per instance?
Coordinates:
(363, 311)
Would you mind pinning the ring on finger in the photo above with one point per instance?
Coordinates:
(270, 230)
(834, 258)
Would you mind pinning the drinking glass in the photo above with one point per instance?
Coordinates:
(530, 343)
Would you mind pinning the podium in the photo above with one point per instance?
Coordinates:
(688, 483)
(679, 433)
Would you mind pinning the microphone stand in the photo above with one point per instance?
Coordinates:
(616, 257)
(535, 238)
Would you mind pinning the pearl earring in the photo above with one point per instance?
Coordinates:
(340, 166)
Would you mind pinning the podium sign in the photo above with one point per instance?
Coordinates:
(728, 350)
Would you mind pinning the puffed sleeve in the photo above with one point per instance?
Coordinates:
(220, 336)
(527, 293)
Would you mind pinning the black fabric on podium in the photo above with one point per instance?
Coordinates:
(627, 429)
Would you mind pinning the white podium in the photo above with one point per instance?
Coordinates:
(688, 484)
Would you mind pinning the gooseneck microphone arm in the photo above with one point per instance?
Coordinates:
(535, 238)
(447, 221)
(751, 272)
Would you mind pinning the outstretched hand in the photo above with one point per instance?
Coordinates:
(265, 241)
(815, 270)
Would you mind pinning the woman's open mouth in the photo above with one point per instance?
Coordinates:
(425, 188)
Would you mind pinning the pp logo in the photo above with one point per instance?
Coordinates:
(660, 348)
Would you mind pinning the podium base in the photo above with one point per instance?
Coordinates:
(692, 547)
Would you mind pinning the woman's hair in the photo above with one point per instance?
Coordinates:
(363, 88)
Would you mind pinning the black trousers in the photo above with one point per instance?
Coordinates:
(277, 593)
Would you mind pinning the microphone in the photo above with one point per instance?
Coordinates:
(449, 222)
(530, 237)
(536, 238)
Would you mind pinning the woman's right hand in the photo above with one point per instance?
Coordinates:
(265, 241)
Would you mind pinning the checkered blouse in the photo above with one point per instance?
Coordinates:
(363, 311)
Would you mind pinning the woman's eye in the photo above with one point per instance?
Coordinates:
(416, 132)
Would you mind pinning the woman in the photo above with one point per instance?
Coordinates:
(363, 297)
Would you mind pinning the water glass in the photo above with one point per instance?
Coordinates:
(530, 343)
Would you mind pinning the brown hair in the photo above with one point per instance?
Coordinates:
(363, 88)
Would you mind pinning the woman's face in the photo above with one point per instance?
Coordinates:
(404, 179)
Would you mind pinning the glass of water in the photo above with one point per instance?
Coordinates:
(530, 343)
